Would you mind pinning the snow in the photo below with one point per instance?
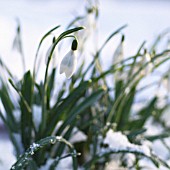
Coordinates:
(113, 165)
(37, 111)
(76, 136)
(33, 148)
(65, 164)
(152, 128)
(165, 117)
(17, 137)
(7, 158)
(118, 141)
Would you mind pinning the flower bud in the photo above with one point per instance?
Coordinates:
(74, 45)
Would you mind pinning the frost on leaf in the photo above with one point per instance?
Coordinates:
(33, 148)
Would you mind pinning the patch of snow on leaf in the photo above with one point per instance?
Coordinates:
(33, 148)
(117, 141)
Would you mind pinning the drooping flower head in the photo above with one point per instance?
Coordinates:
(69, 61)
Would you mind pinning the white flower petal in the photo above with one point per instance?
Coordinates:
(64, 62)
(71, 67)
(68, 64)
(62, 68)
(118, 55)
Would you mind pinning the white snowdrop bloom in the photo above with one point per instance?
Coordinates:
(68, 64)
(118, 54)
(118, 57)
(147, 59)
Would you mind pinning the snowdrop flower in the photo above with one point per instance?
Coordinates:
(118, 54)
(117, 57)
(69, 62)
(147, 59)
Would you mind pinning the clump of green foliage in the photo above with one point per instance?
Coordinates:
(86, 102)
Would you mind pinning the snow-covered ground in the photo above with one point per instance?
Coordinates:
(6, 149)
(145, 20)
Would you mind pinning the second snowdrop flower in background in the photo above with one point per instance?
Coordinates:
(69, 62)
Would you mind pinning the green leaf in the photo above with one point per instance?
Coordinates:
(24, 159)
(111, 36)
(133, 134)
(50, 86)
(26, 115)
(10, 131)
(124, 110)
(158, 137)
(40, 43)
(144, 114)
(75, 20)
(9, 108)
(87, 102)
(69, 32)
(56, 111)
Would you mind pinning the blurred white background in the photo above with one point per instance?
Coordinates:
(145, 19)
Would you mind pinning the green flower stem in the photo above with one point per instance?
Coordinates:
(42, 39)
(44, 100)
(23, 100)
(22, 97)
